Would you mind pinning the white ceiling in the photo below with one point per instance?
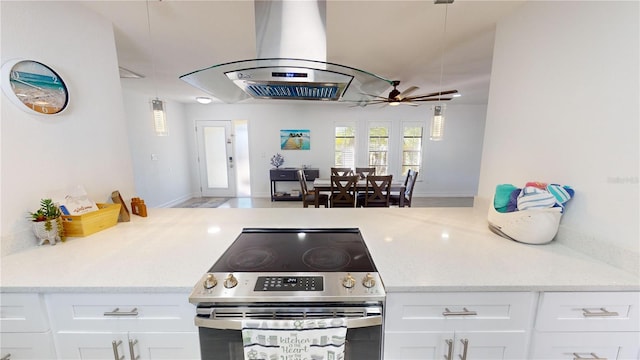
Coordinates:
(397, 40)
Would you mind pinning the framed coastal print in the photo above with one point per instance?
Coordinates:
(295, 140)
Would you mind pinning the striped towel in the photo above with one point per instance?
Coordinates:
(532, 197)
(562, 194)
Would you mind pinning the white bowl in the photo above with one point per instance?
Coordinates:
(534, 226)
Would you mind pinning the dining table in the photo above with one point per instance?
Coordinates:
(324, 185)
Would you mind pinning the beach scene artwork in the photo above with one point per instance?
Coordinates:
(38, 87)
(295, 140)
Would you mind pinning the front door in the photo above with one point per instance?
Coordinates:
(215, 158)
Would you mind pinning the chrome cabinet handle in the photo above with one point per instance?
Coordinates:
(598, 313)
(6, 357)
(115, 345)
(465, 346)
(464, 312)
(449, 355)
(577, 356)
(117, 312)
(132, 352)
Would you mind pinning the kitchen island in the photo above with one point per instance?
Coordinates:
(415, 250)
(430, 259)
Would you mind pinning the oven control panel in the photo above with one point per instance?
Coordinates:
(289, 283)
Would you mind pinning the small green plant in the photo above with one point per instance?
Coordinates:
(49, 212)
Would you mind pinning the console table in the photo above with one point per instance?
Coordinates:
(288, 174)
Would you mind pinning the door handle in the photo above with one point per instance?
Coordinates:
(465, 346)
(132, 352)
(449, 355)
(115, 345)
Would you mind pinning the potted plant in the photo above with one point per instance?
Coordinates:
(47, 222)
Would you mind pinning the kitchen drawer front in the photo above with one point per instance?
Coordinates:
(589, 311)
(20, 346)
(135, 312)
(587, 345)
(22, 313)
(459, 311)
(283, 175)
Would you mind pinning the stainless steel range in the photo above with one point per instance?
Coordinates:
(298, 274)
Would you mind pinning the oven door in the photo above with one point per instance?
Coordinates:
(221, 328)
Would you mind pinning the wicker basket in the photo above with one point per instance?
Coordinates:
(86, 224)
(536, 226)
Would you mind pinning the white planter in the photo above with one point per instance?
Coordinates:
(43, 235)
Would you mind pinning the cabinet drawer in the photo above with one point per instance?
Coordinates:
(459, 311)
(283, 175)
(587, 345)
(121, 312)
(589, 311)
(22, 313)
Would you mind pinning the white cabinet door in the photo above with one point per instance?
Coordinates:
(94, 346)
(22, 346)
(588, 345)
(416, 345)
(169, 346)
(491, 345)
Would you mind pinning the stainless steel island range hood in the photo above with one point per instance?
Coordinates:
(291, 61)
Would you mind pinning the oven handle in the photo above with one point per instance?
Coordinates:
(236, 324)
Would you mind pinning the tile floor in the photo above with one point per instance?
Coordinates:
(417, 202)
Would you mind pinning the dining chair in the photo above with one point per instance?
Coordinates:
(365, 171)
(343, 191)
(311, 197)
(377, 191)
(341, 171)
(409, 182)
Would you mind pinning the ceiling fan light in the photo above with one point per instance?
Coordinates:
(394, 103)
(203, 100)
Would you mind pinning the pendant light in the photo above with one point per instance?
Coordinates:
(157, 105)
(436, 132)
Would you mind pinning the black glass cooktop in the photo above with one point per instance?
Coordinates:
(296, 250)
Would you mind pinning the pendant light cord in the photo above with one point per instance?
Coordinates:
(153, 63)
(444, 34)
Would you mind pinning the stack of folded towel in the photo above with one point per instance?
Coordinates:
(534, 195)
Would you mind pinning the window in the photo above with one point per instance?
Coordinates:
(379, 149)
(411, 148)
(345, 146)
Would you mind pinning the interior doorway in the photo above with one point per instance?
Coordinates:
(223, 158)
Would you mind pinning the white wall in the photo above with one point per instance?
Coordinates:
(167, 180)
(563, 107)
(451, 167)
(86, 144)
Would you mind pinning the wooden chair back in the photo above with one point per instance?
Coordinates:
(378, 191)
(343, 191)
(412, 175)
(365, 171)
(341, 171)
(310, 197)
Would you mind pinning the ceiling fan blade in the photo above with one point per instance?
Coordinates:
(434, 99)
(407, 92)
(439, 93)
(375, 96)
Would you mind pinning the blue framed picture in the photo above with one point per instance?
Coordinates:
(295, 140)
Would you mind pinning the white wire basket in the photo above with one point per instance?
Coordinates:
(535, 226)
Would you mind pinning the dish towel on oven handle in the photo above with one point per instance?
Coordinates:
(311, 339)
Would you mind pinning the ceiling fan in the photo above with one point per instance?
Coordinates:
(396, 97)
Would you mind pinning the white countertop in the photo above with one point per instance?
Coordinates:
(172, 248)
